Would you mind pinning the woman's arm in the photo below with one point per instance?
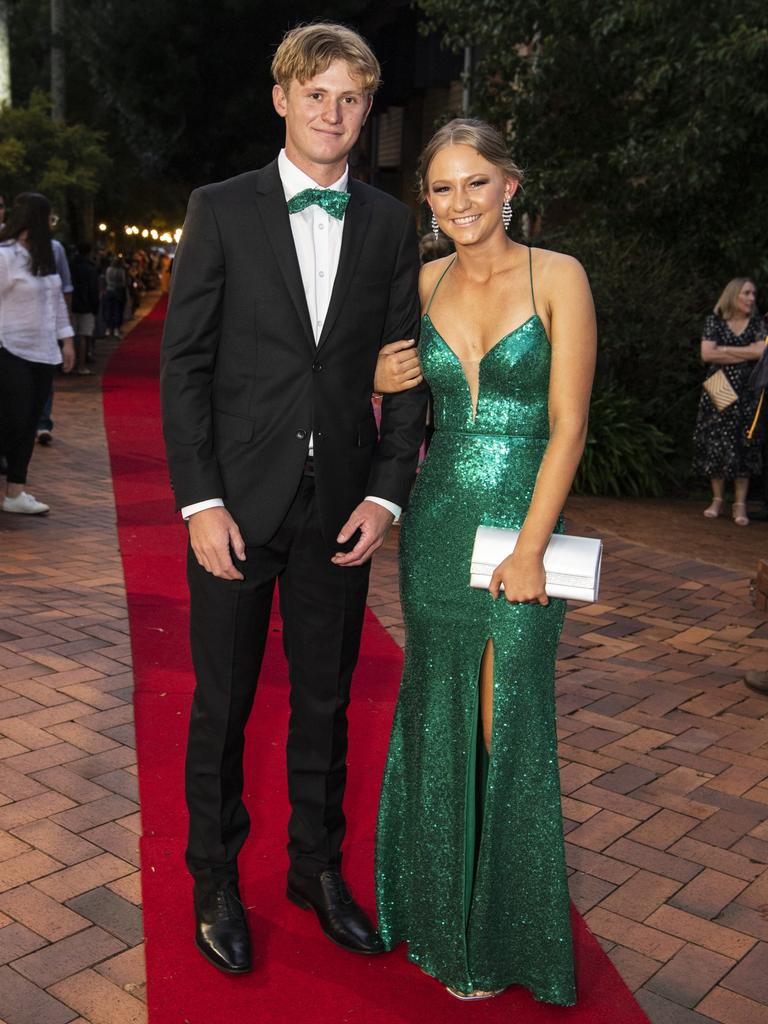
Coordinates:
(398, 367)
(727, 355)
(573, 335)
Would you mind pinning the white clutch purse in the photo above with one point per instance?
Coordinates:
(571, 564)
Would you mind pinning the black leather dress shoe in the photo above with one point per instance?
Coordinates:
(341, 919)
(222, 931)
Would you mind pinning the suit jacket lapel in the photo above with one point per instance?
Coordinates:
(276, 219)
(356, 221)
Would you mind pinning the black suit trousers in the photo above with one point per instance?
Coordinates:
(322, 607)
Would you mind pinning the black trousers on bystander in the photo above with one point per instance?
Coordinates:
(24, 388)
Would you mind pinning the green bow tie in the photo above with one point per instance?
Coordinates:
(334, 203)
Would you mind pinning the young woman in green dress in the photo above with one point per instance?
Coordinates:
(470, 867)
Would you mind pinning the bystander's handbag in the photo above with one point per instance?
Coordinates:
(720, 390)
(571, 564)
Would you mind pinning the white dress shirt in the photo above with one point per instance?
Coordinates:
(317, 237)
(33, 314)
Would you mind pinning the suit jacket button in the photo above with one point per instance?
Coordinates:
(317, 367)
(300, 435)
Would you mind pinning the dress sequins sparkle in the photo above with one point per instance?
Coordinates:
(470, 866)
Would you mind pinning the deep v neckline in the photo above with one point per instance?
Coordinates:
(474, 405)
(502, 339)
(474, 401)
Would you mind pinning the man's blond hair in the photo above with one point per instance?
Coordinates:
(308, 50)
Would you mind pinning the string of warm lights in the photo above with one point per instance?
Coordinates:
(149, 233)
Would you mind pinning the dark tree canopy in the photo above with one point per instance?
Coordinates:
(645, 114)
(181, 89)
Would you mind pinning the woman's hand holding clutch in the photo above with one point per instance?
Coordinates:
(398, 367)
(523, 578)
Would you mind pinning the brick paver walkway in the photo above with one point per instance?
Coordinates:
(664, 761)
(70, 919)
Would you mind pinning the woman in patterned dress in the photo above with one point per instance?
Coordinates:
(732, 341)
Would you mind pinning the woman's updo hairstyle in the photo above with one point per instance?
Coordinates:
(469, 131)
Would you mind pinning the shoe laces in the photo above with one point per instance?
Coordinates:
(228, 904)
(338, 886)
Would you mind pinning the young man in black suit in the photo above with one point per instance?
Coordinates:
(287, 282)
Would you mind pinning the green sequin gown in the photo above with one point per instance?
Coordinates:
(470, 866)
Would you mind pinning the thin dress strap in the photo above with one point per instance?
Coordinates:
(530, 268)
(439, 280)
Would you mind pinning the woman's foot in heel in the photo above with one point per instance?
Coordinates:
(715, 509)
(471, 997)
(739, 512)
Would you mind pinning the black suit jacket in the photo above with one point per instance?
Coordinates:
(243, 383)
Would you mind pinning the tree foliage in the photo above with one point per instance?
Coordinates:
(645, 112)
(639, 123)
(66, 162)
(181, 90)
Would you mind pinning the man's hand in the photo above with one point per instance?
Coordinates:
(373, 521)
(67, 355)
(397, 368)
(212, 532)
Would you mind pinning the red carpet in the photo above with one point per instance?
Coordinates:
(299, 975)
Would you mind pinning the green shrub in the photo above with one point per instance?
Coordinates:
(625, 453)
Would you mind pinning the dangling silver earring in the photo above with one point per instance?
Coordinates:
(506, 213)
(435, 228)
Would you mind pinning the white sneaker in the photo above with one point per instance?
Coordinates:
(25, 504)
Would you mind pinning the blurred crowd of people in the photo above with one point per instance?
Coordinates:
(55, 305)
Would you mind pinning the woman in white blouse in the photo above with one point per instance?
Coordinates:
(33, 318)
